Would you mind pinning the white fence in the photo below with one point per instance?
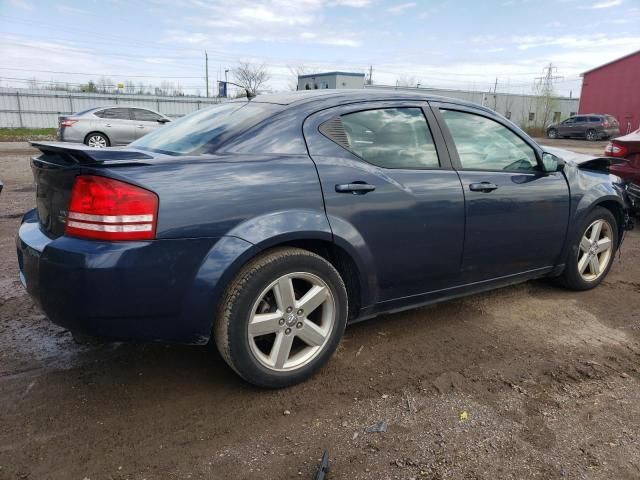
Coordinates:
(41, 108)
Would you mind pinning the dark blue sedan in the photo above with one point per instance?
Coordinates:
(272, 223)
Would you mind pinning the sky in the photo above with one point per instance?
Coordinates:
(446, 44)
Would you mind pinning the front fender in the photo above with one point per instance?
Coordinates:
(588, 190)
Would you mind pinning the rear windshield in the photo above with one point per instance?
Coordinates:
(201, 131)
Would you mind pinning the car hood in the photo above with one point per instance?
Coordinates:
(584, 161)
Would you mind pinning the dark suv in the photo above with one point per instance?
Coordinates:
(590, 126)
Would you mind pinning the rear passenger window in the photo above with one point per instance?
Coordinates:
(391, 138)
(145, 115)
(595, 119)
(116, 113)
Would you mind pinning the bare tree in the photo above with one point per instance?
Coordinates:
(406, 80)
(104, 84)
(129, 86)
(251, 76)
(546, 103)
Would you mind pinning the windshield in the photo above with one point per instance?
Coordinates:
(202, 131)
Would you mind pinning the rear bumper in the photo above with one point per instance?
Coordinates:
(117, 290)
(69, 135)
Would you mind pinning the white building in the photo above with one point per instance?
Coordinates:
(318, 81)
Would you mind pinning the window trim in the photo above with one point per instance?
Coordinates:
(312, 125)
(453, 150)
(439, 167)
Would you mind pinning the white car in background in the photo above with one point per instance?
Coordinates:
(102, 127)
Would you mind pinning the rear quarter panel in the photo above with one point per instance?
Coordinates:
(212, 196)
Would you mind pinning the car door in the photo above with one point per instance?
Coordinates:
(146, 121)
(565, 129)
(580, 127)
(116, 123)
(516, 215)
(389, 188)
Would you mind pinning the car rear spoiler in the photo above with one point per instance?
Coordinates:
(79, 153)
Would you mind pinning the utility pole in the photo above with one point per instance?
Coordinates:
(495, 95)
(206, 70)
(370, 74)
(546, 81)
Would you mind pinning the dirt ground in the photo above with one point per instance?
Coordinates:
(530, 381)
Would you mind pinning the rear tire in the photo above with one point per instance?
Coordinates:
(588, 263)
(97, 140)
(591, 135)
(262, 329)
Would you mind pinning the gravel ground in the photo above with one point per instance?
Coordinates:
(530, 381)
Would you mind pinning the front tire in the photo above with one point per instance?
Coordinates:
(552, 133)
(592, 251)
(282, 317)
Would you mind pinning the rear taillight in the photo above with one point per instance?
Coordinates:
(67, 123)
(605, 124)
(615, 150)
(106, 209)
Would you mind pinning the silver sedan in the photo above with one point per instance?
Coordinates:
(107, 126)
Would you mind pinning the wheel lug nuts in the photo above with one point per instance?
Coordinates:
(299, 325)
(289, 309)
(287, 331)
(281, 322)
(300, 312)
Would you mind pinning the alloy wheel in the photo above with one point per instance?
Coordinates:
(595, 250)
(591, 135)
(97, 141)
(291, 321)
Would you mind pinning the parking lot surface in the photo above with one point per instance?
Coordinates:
(530, 381)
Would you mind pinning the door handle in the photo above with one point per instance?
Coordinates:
(355, 188)
(108, 125)
(139, 126)
(484, 187)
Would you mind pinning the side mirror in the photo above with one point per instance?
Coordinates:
(163, 120)
(551, 163)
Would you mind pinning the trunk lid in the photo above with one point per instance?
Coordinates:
(55, 170)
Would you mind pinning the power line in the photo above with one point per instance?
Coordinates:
(94, 74)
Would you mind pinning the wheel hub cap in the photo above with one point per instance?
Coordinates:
(595, 250)
(291, 321)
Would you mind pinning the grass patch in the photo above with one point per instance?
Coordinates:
(24, 134)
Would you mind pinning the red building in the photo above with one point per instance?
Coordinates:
(614, 88)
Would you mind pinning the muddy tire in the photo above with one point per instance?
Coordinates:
(282, 317)
(592, 251)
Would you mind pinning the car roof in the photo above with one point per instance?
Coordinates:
(102, 107)
(351, 95)
(90, 111)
